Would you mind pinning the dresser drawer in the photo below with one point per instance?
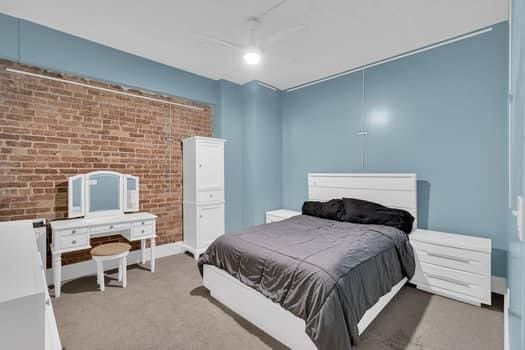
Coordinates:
(209, 196)
(76, 241)
(460, 259)
(139, 230)
(466, 283)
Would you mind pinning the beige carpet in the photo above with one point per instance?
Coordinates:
(169, 309)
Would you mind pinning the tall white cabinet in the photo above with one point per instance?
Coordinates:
(203, 194)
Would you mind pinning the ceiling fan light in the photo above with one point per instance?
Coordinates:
(252, 57)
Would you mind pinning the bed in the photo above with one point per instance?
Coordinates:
(314, 283)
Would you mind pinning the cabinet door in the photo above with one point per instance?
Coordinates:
(131, 193)
(210, 224)
(75, 192)
(210, 165)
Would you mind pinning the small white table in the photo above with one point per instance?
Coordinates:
(75, 234)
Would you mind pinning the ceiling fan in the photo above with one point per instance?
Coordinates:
(252, 53)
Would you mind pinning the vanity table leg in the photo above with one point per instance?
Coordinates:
(120, 269)
(143, 250)
(57, 273)
(124, 265)
(152, 248)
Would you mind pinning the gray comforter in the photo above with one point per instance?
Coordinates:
(328, 273)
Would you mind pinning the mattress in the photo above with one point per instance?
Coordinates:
(328, 273)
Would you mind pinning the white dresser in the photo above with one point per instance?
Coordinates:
(203, 194)
(452, 265)
(280, 214)
(26, 314)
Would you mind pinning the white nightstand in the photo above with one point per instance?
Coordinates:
(280, 214)
(452, 265)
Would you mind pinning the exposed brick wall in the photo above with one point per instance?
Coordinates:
(51, 130)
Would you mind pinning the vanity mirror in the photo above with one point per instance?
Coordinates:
(102, 193)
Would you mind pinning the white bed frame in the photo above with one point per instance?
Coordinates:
(392, 190)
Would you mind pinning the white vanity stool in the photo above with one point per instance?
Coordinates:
(111, 251)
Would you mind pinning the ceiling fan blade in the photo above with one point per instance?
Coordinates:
(215, 40)
(281, 35)
(263, 14)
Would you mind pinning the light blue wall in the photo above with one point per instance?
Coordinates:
(249, 118)
(229, 121)
(319, 127)
(8, 37)
(249, 148)
(267, 155)
(516, 256)
(262, 139)
(51, 49)
(440, 113)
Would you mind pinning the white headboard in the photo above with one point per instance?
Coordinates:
(391, 190)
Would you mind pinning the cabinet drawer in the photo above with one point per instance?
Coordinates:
(457, 281)
(460, 259)
(210, 196)
(143, 223)
(76, 241)
(73, 231)
(139, 230)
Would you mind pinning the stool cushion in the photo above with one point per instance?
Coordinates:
(110, 249)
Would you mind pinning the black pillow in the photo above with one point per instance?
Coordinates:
(370, 213)
(333, 209)
(352, 204)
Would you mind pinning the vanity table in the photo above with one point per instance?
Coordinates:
(75, 234)
(101, 203)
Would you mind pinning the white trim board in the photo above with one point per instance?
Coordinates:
(88, 267)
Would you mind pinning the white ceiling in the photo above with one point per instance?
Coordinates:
(339, 34)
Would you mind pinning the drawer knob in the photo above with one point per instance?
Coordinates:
(74, 242)
(74, 231)
(211, 195)
(200, 165)
(110, 226)
(200, 216)
(142, 231)
(142, 222)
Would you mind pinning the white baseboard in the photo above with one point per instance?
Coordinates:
(88, 267)
(499, 285)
